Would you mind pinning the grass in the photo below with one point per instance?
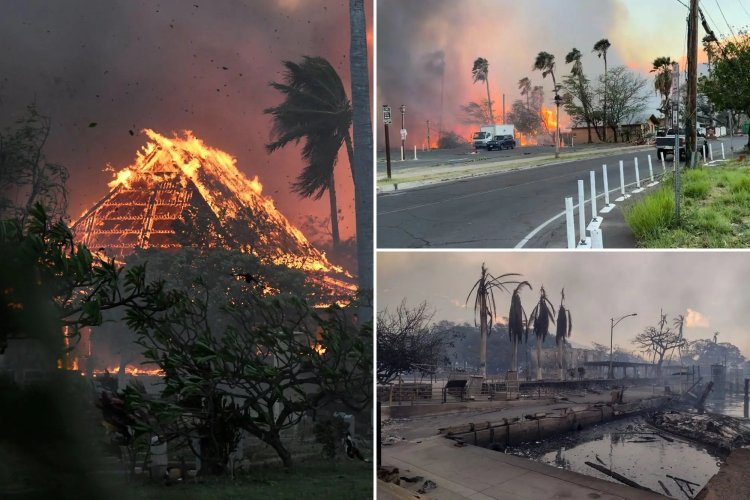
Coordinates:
(715, 210)
(319, 480)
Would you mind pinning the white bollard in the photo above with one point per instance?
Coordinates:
(711, 151)
(622, 179)
(663, 166)
(606, 185)
(592, 176)
(637, 174)
(415, 151)
(402, 153)
(570, 222)
(596, 238)
(581, 210)
(704, 154)
(650, 169)
(722, 152)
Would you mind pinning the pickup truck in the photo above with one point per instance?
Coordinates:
(665, 143)
(501, 142)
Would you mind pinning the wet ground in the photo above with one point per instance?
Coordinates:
(635, 450)
(732, 405)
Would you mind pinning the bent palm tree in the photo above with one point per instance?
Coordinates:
(317, 109)
(564, 329)
(601, 47)
(517, 322)
(480, 72)
(574, 57)
(485, 308)
(540, 317)
(545, 62)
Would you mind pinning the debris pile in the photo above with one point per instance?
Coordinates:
(721, 431)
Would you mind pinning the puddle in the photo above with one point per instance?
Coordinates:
(732, 405)
(634, 450)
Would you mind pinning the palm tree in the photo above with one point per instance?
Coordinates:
(517, 322)
(574, 57)
(601, 47)
(541, 316)
(524, 85)
(317, 109)
(480, 72)
(678, 323)
(362, 154)
(485, 308)
(564, 329)
(545, 62)
(662, 66)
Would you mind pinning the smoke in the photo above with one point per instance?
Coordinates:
(169, 66)
(420, 42)
(696, 319)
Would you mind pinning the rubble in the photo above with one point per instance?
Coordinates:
(720, 431)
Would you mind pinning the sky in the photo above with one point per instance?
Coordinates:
(425, 45)
(709, 288)
(169, 65)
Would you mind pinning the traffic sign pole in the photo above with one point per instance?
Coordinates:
(386, 122)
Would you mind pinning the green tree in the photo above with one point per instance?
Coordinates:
(317, 109)
(480, 73)
(727, 84)
(601, 47)
(524, 85)
(362, 169)
(628, 97)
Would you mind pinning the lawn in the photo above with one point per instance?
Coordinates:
(319, 479)
(715, 210)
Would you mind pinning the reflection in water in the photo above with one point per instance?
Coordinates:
(635, 450)
(732, 405)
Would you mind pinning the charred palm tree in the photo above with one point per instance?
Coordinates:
(574, 57)
(485, 308)
(480, 73)
(679, 324)
(564, 328)
(517, 321)
(540, 318)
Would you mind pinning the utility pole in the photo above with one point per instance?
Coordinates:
(504, 109)
(428, 136)
(691, 115)
(386, 122)
(676, 127)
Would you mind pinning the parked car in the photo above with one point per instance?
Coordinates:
(501, 142)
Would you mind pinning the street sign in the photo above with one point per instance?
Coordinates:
(403, 134)
(387, 115)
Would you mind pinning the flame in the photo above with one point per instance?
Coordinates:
(548, 117)
(227, 191)
(319, 348)
(135, 371)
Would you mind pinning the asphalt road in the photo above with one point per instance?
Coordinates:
(501, 210)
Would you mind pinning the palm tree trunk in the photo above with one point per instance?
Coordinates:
(362, 154)
(538, 358)
(561, 360)
(489, 101)
(605, 98)
(514, 359)
(334, 214)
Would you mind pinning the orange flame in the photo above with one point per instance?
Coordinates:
(208, 168)
(135, 371)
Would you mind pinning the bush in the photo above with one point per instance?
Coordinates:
(451, 140)
(650, 216)
(330, 432)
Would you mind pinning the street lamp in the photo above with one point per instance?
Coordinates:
(612, 325)
(558, 100)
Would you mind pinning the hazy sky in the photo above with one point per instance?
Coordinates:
(711, 289)
(168, 65)
(418, 38)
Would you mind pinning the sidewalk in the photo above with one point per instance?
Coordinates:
(409, 176)
(482, 474)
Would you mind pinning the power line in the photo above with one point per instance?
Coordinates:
(683, 4)
(725, 19)
(714, 23)
(743, 7)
